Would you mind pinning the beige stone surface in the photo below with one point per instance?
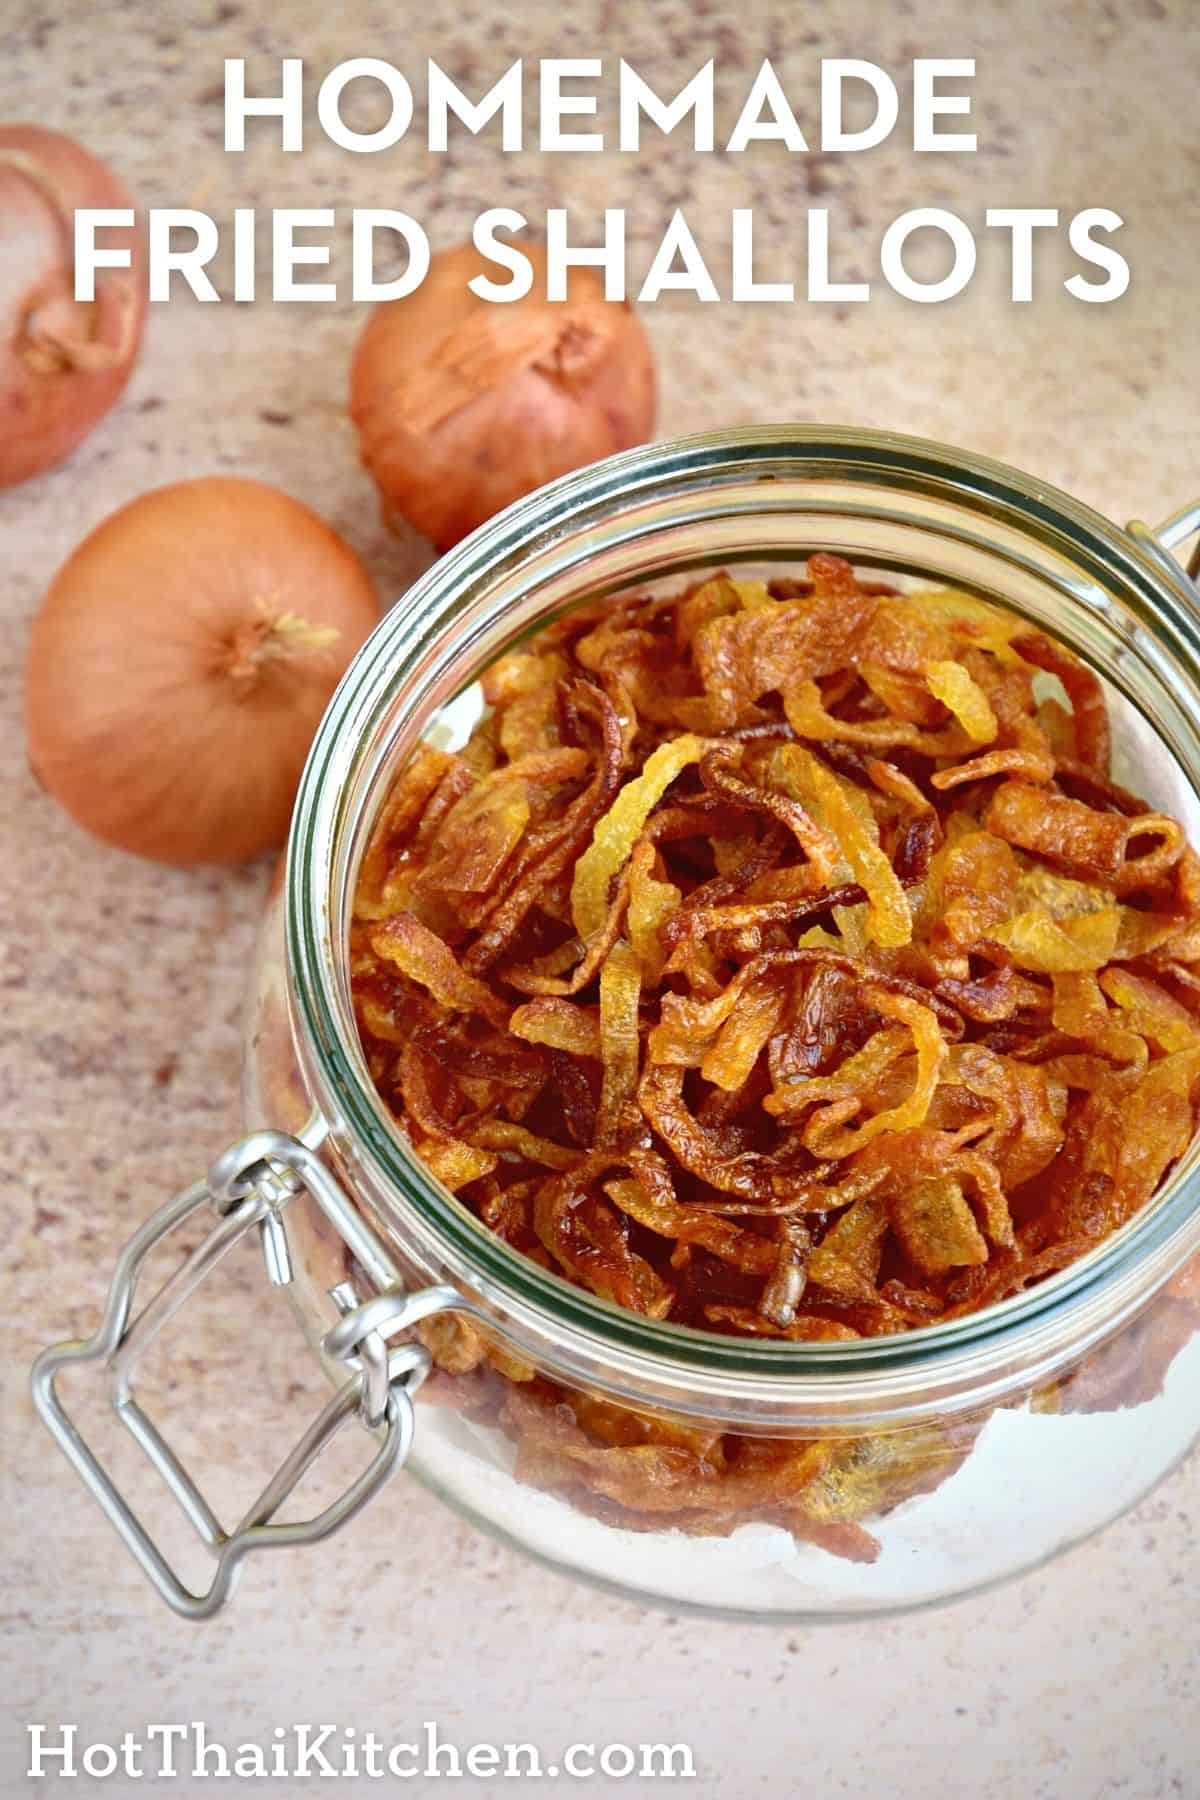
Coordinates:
(121, 983)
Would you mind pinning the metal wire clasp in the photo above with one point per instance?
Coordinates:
(1172, 534)
(250, 1187)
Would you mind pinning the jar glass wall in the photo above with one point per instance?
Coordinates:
(776, 1478)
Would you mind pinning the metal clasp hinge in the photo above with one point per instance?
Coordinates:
(250, 1187)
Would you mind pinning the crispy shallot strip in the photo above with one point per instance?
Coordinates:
(761, 945)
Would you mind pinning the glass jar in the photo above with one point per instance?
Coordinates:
(855, 1478)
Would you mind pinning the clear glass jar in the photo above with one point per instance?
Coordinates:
(927, 1464)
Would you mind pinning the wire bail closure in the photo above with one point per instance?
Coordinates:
(249, 1187)
(1160, 540)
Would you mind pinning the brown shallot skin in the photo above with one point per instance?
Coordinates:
(63, 363)
(180, 662)
(464, 405)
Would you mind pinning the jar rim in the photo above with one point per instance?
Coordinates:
(1109, 560)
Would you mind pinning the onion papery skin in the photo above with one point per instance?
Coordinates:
(63, 363)
(464, 405)
(180, 663)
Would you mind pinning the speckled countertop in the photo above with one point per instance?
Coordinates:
(122, 983)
